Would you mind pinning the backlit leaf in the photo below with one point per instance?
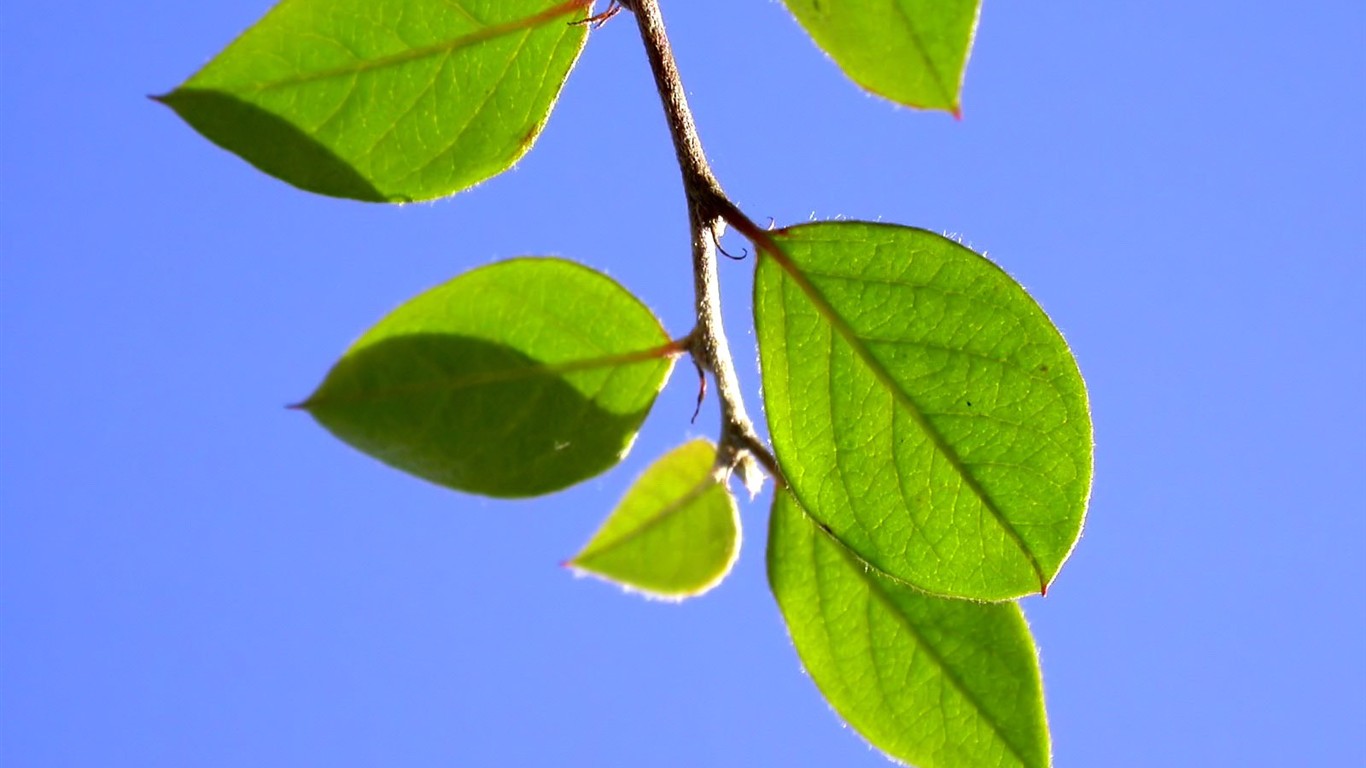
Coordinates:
(923, 407)
(674, 535)
(387, 100)
(936, 682)
(913, 52)
(515, 379)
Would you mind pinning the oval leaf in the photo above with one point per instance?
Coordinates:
(932, 681)
(913, 52)
(674, 535)
(386, 100)
(515, 379)
(923, 407)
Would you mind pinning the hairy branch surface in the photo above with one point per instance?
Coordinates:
(739, 446)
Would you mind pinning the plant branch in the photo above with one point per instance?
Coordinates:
(739, 446)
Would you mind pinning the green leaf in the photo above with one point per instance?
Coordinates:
(922, 406)
(913, 52)
(516, 379)
(674, 535)
(386, 100)
(932, 681)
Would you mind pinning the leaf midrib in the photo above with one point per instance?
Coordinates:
(454, 383)
(653, 521)
(440, 48)
(918, 46)
(846, 332)
(869, 576)
(876, 591)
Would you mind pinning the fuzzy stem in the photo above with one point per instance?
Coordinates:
(708, 209)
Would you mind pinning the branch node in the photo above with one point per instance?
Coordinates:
(709, 210)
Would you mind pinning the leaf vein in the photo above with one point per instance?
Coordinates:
(832, 317)
(439, 48)
(876, 591)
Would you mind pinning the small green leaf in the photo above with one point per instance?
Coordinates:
(932, 681)
(923, 407)
(386, 100)
(516, 379)
(674, 535)
(913, 52)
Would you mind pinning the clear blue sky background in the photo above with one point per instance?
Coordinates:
(190, 575)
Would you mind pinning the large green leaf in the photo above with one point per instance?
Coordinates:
(923, 407)
(674, 535)
(913, 52)
(515, 379)
(387, 100)
(936, 682)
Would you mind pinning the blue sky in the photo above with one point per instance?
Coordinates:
(192, 575)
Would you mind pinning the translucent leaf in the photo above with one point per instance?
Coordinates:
(515, 379)
(923, 407)
(913, 52)
(386, 100)
(674, 535)
(933, 681)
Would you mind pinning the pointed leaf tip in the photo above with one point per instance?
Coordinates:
(386, 100)
(913, 52)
